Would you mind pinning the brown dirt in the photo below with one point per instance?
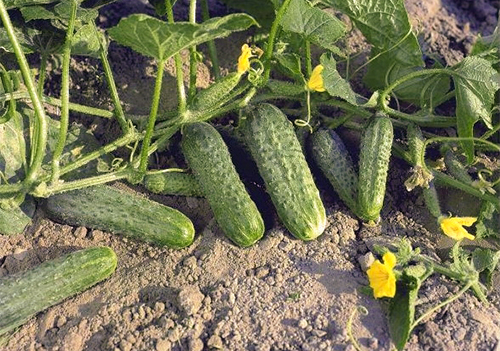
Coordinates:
(281, 294)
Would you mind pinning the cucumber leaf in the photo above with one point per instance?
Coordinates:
(476, 82)
(289, 64)
(160, 40)
(11, 4)
(12, 150)
(14, 220)
(262, 10)
(313, 24)
(488, 221)
(334, 84)
(485, 261)
(86, 41)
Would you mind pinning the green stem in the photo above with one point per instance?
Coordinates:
(42, 73)
(193, 61)
(64, 121)
(108, 73)
(212, 50)
(181, 91)
(152, 120)
(41, 128)
(272, 38)
(308, 58)
(94, 111)
(440, 305)
(425, 121)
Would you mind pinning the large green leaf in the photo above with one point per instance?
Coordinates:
(334, 84)
(476, 82)
(262, 10)
(153, 37)
(12, 149)
(86, 41)
(10, 4)
(313, 24)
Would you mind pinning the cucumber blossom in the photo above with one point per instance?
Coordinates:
(113, 210)
(376, 145)
(208, 157)
(271, 139)
(24, 294)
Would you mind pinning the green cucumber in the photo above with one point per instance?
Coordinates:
(24, 294)
(210, 161)
(333, 159)
(271, 139)
(173, 183)
(113, 210)
(376, 145)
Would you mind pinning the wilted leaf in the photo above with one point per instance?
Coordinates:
(153, 37)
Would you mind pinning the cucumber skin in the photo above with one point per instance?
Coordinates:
(210, 160)
(274, 146)
(110, 209)
(173, 183)
(24, 294)
(376, 145)
(333, 159)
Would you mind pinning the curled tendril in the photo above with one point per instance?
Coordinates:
(363, 311)
(255, 74)
(301, 123)
(483, 184)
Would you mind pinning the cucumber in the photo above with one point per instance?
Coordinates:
(271, 139)
(210, 161)
(173, 183)
(334, 161)
(376, 145)
(24, 294)
(113, 210)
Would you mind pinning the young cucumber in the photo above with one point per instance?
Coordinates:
(110, 209)
(173, 183)
(209, 158)
(334, 161)
(24, 294)
(374, 158)
(273, 144)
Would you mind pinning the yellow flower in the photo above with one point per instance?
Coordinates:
(316, 81)
(453, 227)
(244, 59)
(381, 276)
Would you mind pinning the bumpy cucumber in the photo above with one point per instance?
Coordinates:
(334, 161)
(110, 209)
(376, 145)
(24, 294)
(273, 144)
(210, 161)
(173, 183)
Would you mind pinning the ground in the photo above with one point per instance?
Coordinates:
(282, 293)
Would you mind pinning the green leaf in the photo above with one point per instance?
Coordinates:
(11, 4)
(334, 84)
(86, 41)
(488, 47)
(290, 65)
(485, 261)
(402, 306)
(476, 82)
(488, 221)
(262, 10)
(14, 221)
(12, 149)
(31, 13)
(313, 24)
(152, 37)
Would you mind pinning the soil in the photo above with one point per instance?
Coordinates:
(282, 293)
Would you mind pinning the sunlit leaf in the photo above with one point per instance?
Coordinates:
(262, 10)
(313, 24)
(334, 84)
(12, 149)
(476, 82)
(86, 41)
(153, 37)
(10, 4)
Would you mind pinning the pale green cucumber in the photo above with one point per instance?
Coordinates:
(334, 161)
(209, 159)
(173, 183)
(271, 139)
(110, 209)
(376, 145)
(24, 294)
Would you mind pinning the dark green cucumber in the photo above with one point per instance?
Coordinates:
(376, 145)
(334, 161)
(271, 139)
(24, 294)
(210, 161)
(173, 183)
(113, 210)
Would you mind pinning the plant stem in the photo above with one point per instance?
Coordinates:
(181, 92)
(193, 61)
(42, 73)
(41, 128)
(94, 111)
(108, 73)
(272, 38)
(212, 50)
(64, 121)
(424, 121)
(442, 304)
(152, 120)
(308, 58)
